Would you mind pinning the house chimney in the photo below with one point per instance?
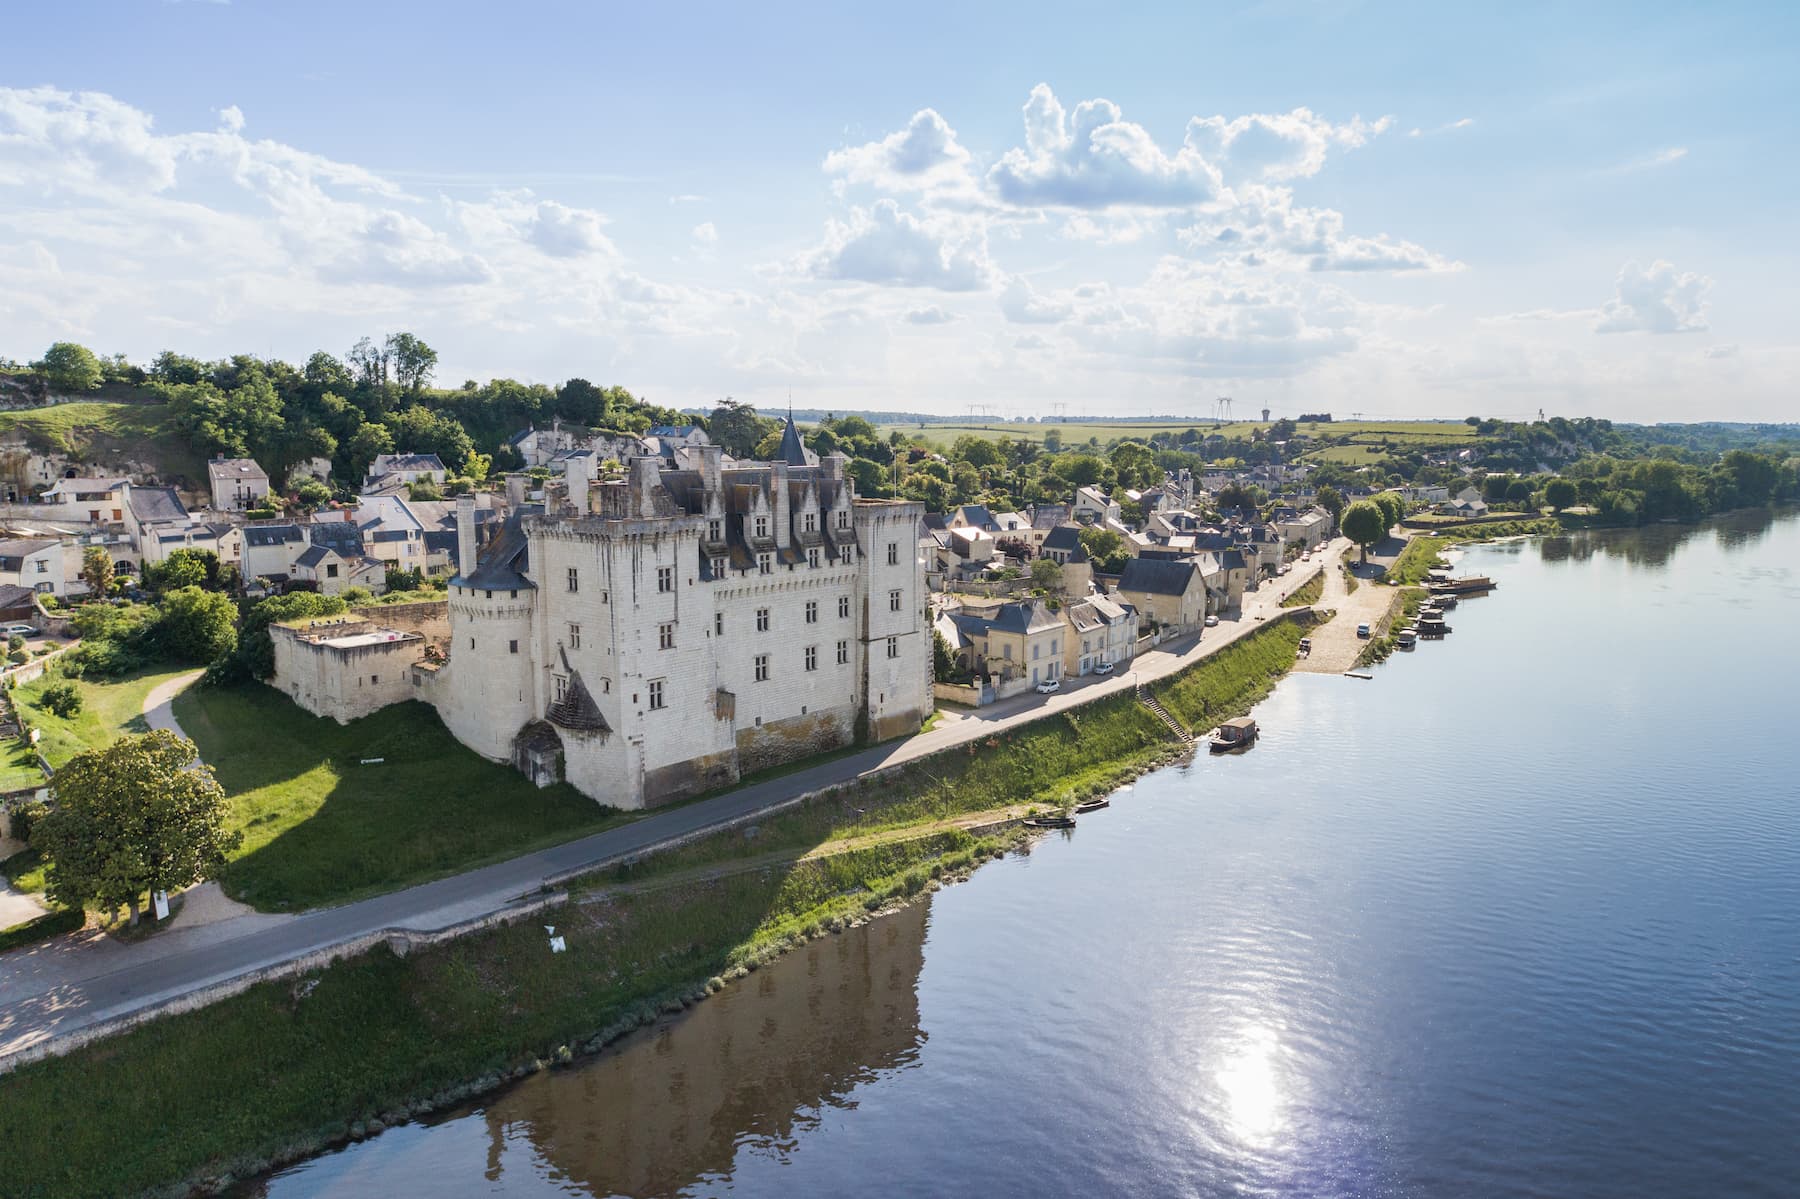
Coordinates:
(711, 465)
(516, 489)
(780, 504)
(465, 535)
(643, 474)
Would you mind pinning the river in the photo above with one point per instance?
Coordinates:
(1519, 916)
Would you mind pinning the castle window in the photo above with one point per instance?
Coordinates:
(809, 523)
(762, 620)
(812, 611)
(562, 687)
(843, 653)
(762, 526)
(843, 519)
(665, 636)
(718, 568)
(715, 530)
(893, 553)
(512, 647)
(843, 607)
(893, 647)
(893, 601)
(656, 695)
(374, 678)
(765, 564)
(665, 578)
(812, 657)
(471, 643)
(574, 636)
(718, 624)
(762, 668)
(812, 557)
(574, 579)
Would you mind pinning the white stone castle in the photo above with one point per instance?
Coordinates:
(659, 636)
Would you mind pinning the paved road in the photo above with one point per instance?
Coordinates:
(75, 982)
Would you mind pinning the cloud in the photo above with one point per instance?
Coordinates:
(932, 315)
(922, 155)
(884, 245)
(1655, 299)
(1728, 350)
(1093, 158)
(1289, 145)
(1464, 123)
(706, 233)
(1023, 306)
(564, 232)
(1267, 223)
(1661, 158)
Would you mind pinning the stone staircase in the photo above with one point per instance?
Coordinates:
(1175, 726)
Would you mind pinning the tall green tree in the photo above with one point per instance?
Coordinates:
(131, 819)
(413, 360)
(97, 570)
(198, 626)
(1332, 500)
(1365, 524)
(1560, 494)
(70, 366)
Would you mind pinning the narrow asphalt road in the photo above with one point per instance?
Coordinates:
(73, 983)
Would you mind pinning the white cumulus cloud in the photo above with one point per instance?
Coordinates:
(882, 244)
(1094, 158)
(1288, 145)
(564, 232)
(924, 153)
(1655, 299)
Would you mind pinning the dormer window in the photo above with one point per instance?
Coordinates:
(809, 523)
(715, 530)
(762, 526)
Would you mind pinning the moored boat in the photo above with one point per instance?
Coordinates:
(1462, 586)
(1406, 638)
(1048, 822)
(1092, 805)
(1233, 735)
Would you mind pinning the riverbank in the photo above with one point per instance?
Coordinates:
(349, 1049)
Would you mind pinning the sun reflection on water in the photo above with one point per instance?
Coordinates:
(1251, 1085)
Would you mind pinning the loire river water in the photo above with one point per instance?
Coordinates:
(1521, 916)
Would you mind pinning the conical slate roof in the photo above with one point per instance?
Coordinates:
(793, 451)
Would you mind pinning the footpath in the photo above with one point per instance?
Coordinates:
(69, 989)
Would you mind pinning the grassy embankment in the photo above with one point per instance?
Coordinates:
(109, 431)
(1307, 593)
(385, 1036)
(322, 828)
(1402, 613)
(1351, 582)
(1416, 561)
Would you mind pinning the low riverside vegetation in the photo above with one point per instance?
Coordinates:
(345, 1050)
(1401, 614)
(334, 812)
(1307, 593)
(1416, 561)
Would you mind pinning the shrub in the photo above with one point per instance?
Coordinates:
(63, 698)
(15, 642)
(18, 656)
(25, 817)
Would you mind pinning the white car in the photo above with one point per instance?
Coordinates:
(1049, 685)
(1104, 668)
(21, 630)
(1212, 622)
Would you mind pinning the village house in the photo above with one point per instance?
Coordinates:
(1019, 644)
(1307, 529)
(270, 550)
(391, 471)
(86, 501)
(1092, 507)
(1467, 504)
(36, 563)
(1171, 592)
(662, 635)
(237, 484)
(1101, 630)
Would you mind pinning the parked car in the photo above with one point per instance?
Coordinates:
(1362, 630)
(21, 630)
(1049, 685)
(1212, 622)
(1104, 668)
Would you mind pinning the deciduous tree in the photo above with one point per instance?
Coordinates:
(71, 367)
(1365, 524)
(130, 819)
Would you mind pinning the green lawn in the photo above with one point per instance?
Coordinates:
(321, 828)
(108, 710)
(105, 430)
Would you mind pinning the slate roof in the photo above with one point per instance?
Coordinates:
(1064, 537)
(792, 451)
(12, 596)
(977, 516)
(385, 464)
(266, 535)
(1024, 618)
(502, 565)
(234, 468)
(1154, 577)
(313, 556)
(152, 504)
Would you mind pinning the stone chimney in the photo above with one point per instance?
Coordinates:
(575, 474)
(779, 502)
(711, 466)
(465, 535)
(518, 486)
(834, 465)
(642, 477)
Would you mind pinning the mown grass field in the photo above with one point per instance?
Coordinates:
(322, 828)
(368, 1036)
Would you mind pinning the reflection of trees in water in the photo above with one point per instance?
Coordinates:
(673, 1105)
(1654, 545)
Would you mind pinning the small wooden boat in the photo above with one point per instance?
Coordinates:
(1433, 628)
(1048, 822)
(1092, 805)
(1406, 638)
(1234, 735)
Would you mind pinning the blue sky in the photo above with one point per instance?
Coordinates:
(1400, 209)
